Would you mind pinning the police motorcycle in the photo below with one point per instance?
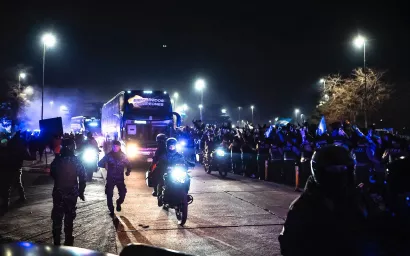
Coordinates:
(175, 191)
(218, 160)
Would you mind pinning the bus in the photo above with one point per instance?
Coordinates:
(84, 124)
(135, 118)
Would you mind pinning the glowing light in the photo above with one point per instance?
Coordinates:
(233, 126)
(93, 124)
(296, 110)
(22, 75)
(200, 84)
(178, 174)
(51, 102)
(252, 107)
(322, 80)
(359, 41)
(49, 40)
(220, 152)
(165, 92)
(132, 150)
(128, 91)
(25, 244)
(276, 119)
(185, 107)
(140, 122)
(200, 106)
(90, 155)
(402, 157)
(147, 92)
(270, 121)
(223, 111)
(29, 90)
(63, 108)
(176, 95)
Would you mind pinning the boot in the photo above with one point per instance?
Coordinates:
(57, 239)
(69, 240)
(118, 207)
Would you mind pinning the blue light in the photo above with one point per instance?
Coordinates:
(93, 124)
(28, 130)
(140, 122)
(148, 92)
(128, 91)
(25, 244)
(407, 198)
(165, 92)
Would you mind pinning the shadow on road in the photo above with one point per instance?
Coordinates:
(43, 180)
(123, 235)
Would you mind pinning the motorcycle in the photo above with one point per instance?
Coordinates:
(175, 192)
(218, 160)
(90, 160)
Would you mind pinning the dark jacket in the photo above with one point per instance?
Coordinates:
(170, 159)
(116, 162)
(65, 169)
(17, 153)
(316, 225)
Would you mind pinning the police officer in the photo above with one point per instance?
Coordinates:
(291, 156)
(364, 164)
(65, 169)
(161, 150)
(115, 162)
(262, 149)
(235, 148)
(171, 158)
(328, 218)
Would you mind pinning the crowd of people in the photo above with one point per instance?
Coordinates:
(356, 183)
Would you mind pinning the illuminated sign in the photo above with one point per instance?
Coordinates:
(141, 102)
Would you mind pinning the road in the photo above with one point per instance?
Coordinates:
(231, 216)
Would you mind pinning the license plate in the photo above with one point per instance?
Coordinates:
(149, 160)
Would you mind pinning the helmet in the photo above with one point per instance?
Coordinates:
(171, 145)
(89, 135)
(333, 170)
(68, 144)
(161, 138)
(397, 175)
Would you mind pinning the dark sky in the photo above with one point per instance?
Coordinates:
(271, 55)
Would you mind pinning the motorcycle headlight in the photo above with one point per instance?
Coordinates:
(90, 155)
(220, 152)
(178, 174)
(132, 150)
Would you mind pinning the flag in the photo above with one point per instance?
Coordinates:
(321, 129)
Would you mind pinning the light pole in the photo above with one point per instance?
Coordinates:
(301, 118)
(359, 42)
(239, 114)
(200, 106)
(22, 75)
(296, 115)
(323, 81)
(200, 86)
(252, 107)
(223, 111)
(48, 41)
(176, 95)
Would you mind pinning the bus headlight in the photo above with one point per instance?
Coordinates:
(178, 174)
(132, 150)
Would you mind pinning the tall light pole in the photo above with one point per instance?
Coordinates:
(176, 95)
(200, 106)
(359, 42)
(296, 115)
(48, 41)
(239, 114)
(22, 75)
(323, 81)
(200, 86)
(252, 107)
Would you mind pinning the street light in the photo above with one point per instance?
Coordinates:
(200, 106)
(48, 41)
(200, 86)
(29, 90)
(252, 107)
(296, 115)
(323, 81)
(360, 41)
(239, 113)
(63, 108)
(185, 107)
(51, 103)
(276, 119)
(22, 75)
(223, 111)
(176, 95)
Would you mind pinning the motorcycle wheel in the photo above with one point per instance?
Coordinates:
(207, 168)
(182, 212)
(223, 173)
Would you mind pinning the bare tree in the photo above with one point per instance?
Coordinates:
(346, 98)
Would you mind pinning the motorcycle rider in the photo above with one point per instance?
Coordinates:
(115, 162)
(171, 158)
(235, 149)
(329, 210)
(161, 150)
(210, 146)
(65, 169)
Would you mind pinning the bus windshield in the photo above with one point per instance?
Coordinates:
(145, 132)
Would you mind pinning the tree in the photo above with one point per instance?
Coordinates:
(348, 98)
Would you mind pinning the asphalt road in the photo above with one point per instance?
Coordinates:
(231, 216)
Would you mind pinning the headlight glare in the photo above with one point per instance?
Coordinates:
(178, 174)
(220, 152)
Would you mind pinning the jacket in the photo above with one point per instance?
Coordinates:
(115, 163)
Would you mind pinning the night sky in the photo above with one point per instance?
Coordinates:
(270, 55)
